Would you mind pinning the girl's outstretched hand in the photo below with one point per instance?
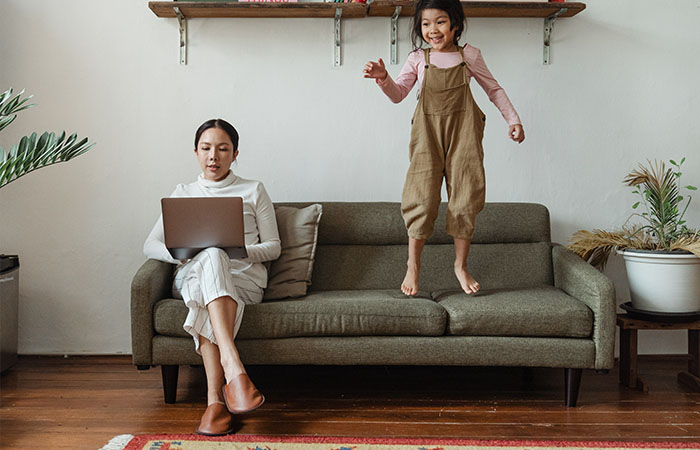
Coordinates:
(375, 70)
(516, 133)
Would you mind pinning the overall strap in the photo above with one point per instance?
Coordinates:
(426, 54)
(461, 53)
(465, 65)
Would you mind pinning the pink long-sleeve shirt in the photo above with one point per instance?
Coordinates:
(476, 67)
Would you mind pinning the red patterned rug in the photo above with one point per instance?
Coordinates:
(251, 442)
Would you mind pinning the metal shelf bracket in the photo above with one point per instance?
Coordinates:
(182, 22)
(336, 37)
(548, 27)
(394, 33)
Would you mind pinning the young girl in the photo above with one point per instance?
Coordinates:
(216, 288)
(446, 133)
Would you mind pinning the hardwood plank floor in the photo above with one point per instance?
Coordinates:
(82, 402)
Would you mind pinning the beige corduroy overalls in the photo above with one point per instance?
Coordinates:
(446, 135)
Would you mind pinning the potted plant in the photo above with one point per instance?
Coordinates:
(29, 154)
(661, 253)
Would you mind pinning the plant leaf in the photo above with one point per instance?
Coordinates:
(9, 106)
(33, 153)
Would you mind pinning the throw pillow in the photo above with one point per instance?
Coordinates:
(290, 274)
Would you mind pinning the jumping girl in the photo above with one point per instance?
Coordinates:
(447, 129)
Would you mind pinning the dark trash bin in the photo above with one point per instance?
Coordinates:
(9, 307)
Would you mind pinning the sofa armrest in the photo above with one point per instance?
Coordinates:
(582, 281)
(152, 282)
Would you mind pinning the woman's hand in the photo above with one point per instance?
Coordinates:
(516, 133)
(375, 70)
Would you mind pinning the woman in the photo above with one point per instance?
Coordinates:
(216, 288)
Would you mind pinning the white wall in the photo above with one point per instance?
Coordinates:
(622, 87)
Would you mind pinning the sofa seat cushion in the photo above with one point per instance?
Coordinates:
(540, 311)
(326, 313)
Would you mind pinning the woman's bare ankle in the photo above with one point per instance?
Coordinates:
(214, 395)
(232, 368)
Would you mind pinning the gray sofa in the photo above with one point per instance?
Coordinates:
(540, 305)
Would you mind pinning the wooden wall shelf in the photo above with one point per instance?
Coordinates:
(379, 8)
(183, 10)
(192, 10)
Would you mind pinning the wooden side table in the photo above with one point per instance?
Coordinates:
(628, 351)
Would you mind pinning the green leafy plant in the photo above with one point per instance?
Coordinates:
(33, 152)
(659, 189)
(662, 218)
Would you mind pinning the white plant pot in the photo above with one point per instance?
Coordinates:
(662, 281)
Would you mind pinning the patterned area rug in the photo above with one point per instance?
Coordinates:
(250, 442)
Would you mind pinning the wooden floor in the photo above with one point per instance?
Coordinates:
(82, 402)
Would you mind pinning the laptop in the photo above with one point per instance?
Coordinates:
(192, 224)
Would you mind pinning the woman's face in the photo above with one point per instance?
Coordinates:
(215, 154)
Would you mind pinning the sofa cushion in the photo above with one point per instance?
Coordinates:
(290, 274)
(540, 311)
(346, 313)
(496, 266)
(330, 313)
(168, 317)
(380, 223)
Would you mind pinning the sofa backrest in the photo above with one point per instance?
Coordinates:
(364, 246)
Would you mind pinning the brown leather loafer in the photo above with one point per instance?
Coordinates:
(241, 395)
(216, 421)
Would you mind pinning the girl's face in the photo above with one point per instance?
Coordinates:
(437, 30)
(215, 154)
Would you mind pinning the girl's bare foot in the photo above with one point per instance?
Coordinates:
(410, 281)
(468, 283)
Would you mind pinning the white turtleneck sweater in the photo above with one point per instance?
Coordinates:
(261, 235)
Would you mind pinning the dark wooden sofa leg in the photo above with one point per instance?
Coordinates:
(169, 382)
(572, 382)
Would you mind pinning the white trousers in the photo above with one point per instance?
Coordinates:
(205, 278)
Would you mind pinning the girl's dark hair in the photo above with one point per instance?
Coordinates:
(454, 10)
(217, 123)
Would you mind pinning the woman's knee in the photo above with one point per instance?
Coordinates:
(214, 253)
(213, 257)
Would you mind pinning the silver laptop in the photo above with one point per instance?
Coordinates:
(192, 224)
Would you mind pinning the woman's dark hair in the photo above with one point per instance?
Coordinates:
(217, 123)
(454, 10)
